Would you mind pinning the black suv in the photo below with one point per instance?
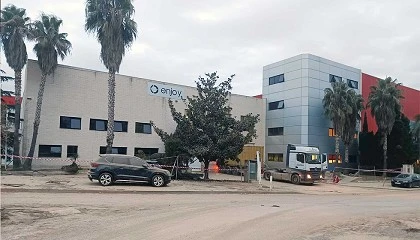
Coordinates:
(110, 168)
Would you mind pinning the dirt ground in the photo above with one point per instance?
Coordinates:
(50, 206)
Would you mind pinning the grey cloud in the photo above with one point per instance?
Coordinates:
(180, 40)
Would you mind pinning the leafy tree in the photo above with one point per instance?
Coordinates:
(50, 44)
(365, 127)
(115, 30)
(208, 130)
(415, 131)
(384, 101)
(355, 102)
(15, 25)
(401, 148)
(336, 109)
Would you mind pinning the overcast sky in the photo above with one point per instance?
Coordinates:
(178, 39)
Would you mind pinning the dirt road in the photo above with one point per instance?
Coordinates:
(394, 215)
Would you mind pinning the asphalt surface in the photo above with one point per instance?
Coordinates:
(372, 215)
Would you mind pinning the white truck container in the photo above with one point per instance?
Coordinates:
(303, 164)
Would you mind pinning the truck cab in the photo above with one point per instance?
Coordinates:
(303, 164)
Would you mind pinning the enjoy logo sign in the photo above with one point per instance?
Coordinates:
(167, 91)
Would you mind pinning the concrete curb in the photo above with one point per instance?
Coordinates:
(40, 190)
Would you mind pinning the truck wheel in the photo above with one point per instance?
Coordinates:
(295, 179)
(267, 176)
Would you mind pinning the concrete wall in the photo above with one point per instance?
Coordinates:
(82, 93)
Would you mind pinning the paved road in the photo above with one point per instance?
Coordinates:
(394, 215)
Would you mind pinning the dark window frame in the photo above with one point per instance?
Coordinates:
(72, 152)
(102, 150)
(146, 151)
(275, 157)
(124, 126)
(276, 105)
(276, 131)
(63, 122)
(138, 129)
(334, 78)
(349, 83)
(93, 122)
(276, 79)
(44, 153)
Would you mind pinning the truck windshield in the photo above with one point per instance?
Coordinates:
(313, 158)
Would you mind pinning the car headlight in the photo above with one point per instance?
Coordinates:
(308, 176)
(320, 176)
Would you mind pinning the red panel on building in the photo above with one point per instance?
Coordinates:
(410, 103)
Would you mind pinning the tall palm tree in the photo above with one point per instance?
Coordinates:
(336, 109)
(111, 21)
(50, 44)
(14, 31)
(416, 131)
(384, 101)
(355, 101)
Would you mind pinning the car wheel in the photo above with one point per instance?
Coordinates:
(106, 179)
(158, 181)
(393, 184)
(267, 176)
(295, 179)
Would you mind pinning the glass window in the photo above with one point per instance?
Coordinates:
(121, 160)
(275, 131)
(146, 151)
(98, 124)
(138, 161)
(70, 122)
(275, 157)
(115, 150)
(334, 78)
(331, 132)
(276, 105)
(276, 79)
(72, 151)
(120, 126)
(352, 84)
(143, 128)
(49, 151)
(300, 157)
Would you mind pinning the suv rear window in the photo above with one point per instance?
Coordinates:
(121, 160)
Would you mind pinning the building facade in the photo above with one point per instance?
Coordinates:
(74, 113)
(294, 89)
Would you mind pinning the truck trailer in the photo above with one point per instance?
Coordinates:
(303, 164)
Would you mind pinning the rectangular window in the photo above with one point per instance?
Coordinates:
(276, 105)
(275, 157)
(72, 151)
(276, 79)
(143, 128)
(334, 78)
(275, 131)
(115, 150)
(70, 122)
(49, 151)
(332, 158)
(120, 126)
(146, 151)
(331, 132)
(98, 124)
(352, 84)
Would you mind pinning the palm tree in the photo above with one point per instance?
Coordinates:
(111, 21)
(384, 101)
(336, 109)
(416, 131)
(50, 44)
(14, 30)
(355, 101)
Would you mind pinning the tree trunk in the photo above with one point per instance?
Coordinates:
(16, 137)
(385, 148)
(111, 113)
(346, 154)
(337, 147)
(28, 162)
(206, 169)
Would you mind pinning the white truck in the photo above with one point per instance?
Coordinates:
(303, 164)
